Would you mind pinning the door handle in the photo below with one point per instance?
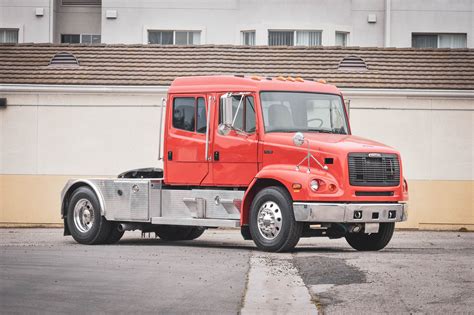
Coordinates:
(170, 155)
(216, 155)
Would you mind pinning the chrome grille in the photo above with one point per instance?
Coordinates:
(382, 170)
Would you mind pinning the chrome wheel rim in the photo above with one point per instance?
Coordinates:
(269, 220)
(83, 215)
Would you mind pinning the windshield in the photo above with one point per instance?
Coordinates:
(299, 111)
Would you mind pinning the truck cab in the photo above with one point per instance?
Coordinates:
(273, 156)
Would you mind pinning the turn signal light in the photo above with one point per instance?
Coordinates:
(296, 187)
(332, 187)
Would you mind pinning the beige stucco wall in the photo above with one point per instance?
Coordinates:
(439, 205)
(49, 137)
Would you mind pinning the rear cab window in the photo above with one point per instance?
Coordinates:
(189, 114)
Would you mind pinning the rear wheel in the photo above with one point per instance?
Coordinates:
(115, 235)
(85, 222)
(272, 222)
(178, 232)
(374, 241)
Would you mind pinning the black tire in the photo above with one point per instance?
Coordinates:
(195, 232)
(99, 229)
(372, 242)
(178, 232)
(115, 235)
(288, 235)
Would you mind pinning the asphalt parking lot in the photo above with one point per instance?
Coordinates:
(419, 272)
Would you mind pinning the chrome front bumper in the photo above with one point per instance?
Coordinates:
(350, 212)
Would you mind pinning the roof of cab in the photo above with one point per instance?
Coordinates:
(228, 83)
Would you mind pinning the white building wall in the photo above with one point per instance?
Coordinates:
(21, 15)
(428, 16)
(77, 20)
(221, 21)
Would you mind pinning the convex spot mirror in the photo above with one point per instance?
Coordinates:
(298, 139)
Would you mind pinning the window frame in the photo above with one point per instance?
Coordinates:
(80, 38)
(245, 32)
(346, 38)
(174, 36)
(295, 37)
(196, 100)
(244, 114)
(3, 34)
(438, 38)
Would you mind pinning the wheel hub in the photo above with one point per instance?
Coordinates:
(269, 220)
(83, 215)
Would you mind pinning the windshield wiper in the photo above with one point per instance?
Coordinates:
(282, 130)
(320, 130)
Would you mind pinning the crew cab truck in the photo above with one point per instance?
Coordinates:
(273, 156)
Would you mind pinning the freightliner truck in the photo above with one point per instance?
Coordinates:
(274, 157)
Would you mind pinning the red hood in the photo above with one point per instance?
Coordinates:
(331, 143)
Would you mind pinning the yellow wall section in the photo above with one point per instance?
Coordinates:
(439, 205)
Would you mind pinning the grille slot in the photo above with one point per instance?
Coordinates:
(374, 171)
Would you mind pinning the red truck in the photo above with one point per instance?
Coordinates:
(273, 156)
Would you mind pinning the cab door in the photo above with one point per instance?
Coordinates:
(234, 156)
(185, 142)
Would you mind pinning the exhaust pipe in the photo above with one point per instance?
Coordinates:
(122, 227)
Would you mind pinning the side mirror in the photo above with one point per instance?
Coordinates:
(298, 139)
(223, 129)
(227, 114)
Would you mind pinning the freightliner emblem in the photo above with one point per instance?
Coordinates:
(375, 155)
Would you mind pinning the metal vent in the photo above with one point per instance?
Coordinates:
(352, 63)
(64, 59)
(374, 169)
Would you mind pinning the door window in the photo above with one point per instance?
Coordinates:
(243, 109)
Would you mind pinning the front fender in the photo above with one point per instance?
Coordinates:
(285, 175)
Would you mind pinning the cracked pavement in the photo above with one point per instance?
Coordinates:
(419, 272)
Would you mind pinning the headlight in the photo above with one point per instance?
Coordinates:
(314, 185)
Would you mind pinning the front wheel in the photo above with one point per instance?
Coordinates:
(374, 241)
(272, 222)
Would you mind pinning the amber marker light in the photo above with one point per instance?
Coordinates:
(256, 78)
(290, 79)
(332, 187)
(321, 81)
(280, 78)
(296, 187)
(298, 79)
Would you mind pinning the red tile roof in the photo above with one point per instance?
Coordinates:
(159, 65)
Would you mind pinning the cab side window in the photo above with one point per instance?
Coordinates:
(189, 113)
(244, 114)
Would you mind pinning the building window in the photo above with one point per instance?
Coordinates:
(341, 38)
(80, 38)
(278, 38)
(8, 35)
(439, 40)
(81, 2)
(248, 38)
(290, 38)
(174, 37)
